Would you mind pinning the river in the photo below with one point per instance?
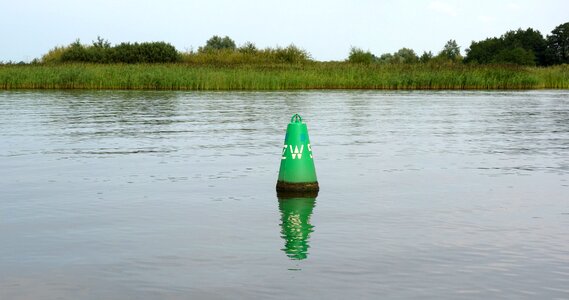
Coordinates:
(171, 195)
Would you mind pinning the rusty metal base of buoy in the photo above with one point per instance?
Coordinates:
(297, 186)
(295, 195)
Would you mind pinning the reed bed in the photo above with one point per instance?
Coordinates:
(311, 75)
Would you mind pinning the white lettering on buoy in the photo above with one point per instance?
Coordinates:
(296, 153)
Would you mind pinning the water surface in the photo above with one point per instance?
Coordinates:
(147, 195)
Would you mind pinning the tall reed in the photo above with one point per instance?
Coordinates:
(280, 76)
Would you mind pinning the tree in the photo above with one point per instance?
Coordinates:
(558, 45)
(405, 56)
(100, 52)
(385, 58)
(216, 43)
(522, 47)
(291, 54)
(529, 40)
(518, 56)
(75, 52)
(451, 51)
(360, 56)
(101, 43)
(248, 47)
(483, 52)
(426, 57)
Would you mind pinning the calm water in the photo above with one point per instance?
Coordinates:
(153, 195)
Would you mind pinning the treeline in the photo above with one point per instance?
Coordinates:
(450, 53)
(520, 47)
(523, 47)
(217, 50)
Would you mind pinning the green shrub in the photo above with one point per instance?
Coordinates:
(360, 56)
(75, 53)
(218, 43)
(54, 55)
(291, 55)
(102, 52)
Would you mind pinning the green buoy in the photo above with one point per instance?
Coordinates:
(297, 172)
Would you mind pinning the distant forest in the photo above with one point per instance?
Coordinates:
(517, 47)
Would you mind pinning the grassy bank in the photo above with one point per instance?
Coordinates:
(313, 75)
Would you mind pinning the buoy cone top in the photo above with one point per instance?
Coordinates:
(297, 172)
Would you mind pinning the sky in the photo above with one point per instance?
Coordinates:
(327, 29)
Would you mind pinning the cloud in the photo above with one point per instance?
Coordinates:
(443, 8)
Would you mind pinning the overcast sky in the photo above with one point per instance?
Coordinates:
(325, 28)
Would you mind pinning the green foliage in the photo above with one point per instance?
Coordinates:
(519, 47)
(558, 45)
(451, 51)
(291, 55)
(101, 43)
(275, 76)
(402, 56)
(54, 55)
(248, 54)
(216, 43)
(101, 51)
(226, 53)
(385, 58)
(222, 58)
(75, 52)
(405, 56)
(426, 57)
(156, 52)
(483, 52)
(522, 47)
(248, 47)
(529, 40)
(359, 56)
(222, 52)
(518, 56)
